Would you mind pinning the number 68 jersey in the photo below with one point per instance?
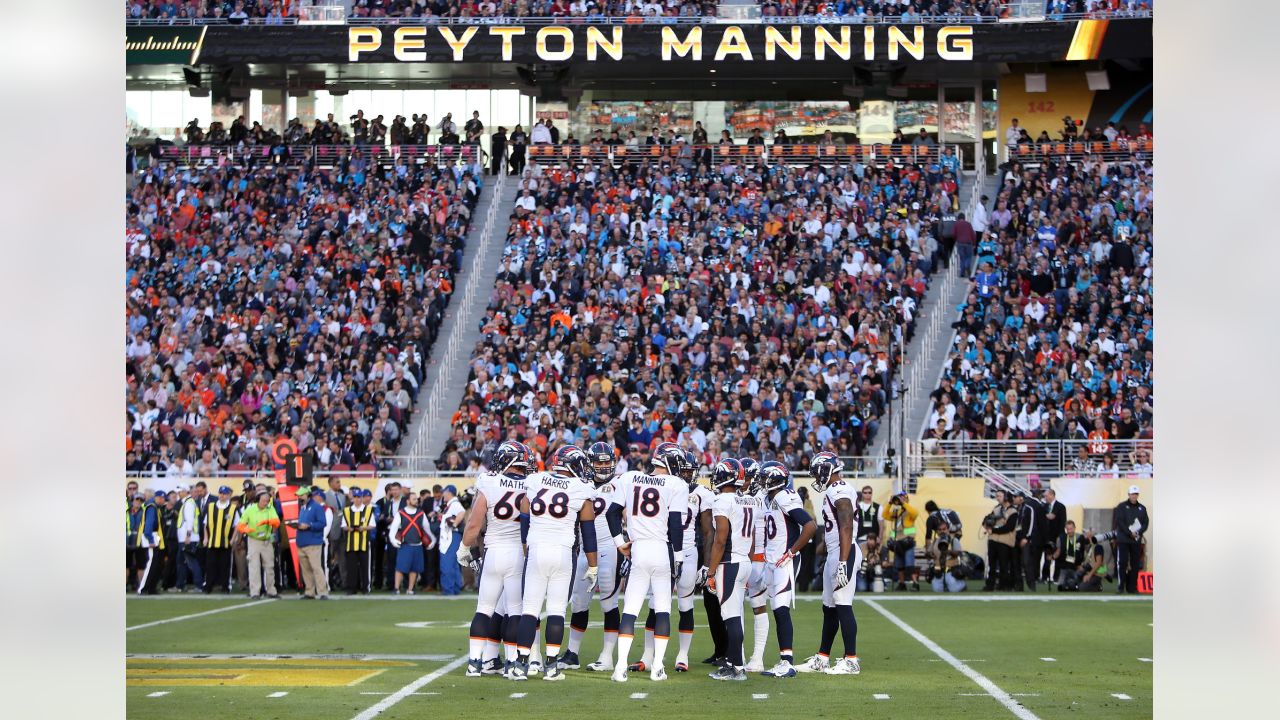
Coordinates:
(647, 501)
(554, 503)
(502, 495)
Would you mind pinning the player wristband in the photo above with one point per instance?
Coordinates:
(619, 540)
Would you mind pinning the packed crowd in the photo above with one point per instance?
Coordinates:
(958, 10)
(273, 11)
(264, 302)
(1055, 339)
(733, 309)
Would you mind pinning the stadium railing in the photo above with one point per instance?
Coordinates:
(634, 20)
(1135, 149)
(791, 154)
(325, 155)
(1020, 458)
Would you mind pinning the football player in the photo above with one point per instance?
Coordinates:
(557, 506)
(496, 511)
(757, 586)
(603, 465)
(788, 529)
(654, 505)
(734, 519)
(844, 557)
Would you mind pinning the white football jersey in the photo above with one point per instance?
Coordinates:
(740, 511)
(830, 528)
(700, 499)
(647, 499)
(761, 500)
(502, 517)
(605, 495)
(775, 530)
(554, 503)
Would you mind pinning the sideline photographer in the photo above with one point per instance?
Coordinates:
(901, 518)
(947, 572)
(1090, 567)
(871, 575)
(1000, 525)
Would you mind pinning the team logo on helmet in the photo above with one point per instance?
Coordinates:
(603, 462)
(572, 460)
(774, 476)
(728, 472)
(824, 468)
(689, 471)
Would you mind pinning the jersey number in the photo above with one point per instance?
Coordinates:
(827, 520)
(506, 507)
(748, 515)
(770, 528)
(688, 518)
(557, 508)
(645, 502)
(598, 504)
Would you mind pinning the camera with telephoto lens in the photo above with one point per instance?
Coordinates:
(1106, 536)
(990, 520)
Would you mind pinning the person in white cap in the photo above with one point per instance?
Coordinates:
(1129, 521)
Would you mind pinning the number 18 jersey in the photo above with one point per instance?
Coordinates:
(830, 525)
(647, 500)
(554, 503)
(502, 517)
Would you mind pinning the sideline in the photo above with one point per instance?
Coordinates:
(410, 689)
(180, 618)
(983, 682)
(808, 597)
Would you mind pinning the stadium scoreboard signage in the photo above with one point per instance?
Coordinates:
(655, 45)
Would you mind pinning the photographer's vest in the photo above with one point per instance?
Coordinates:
(221, 523)
(133, 525)
(868, 521)
(357, 540)
(899, 521)
(159, 531)
(412, 521)
(1071, 549)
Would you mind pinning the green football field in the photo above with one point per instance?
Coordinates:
(964, 656)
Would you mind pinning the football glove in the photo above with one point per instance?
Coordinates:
(786, 558)
(464, 555)
(675, 571)
(624, 568)
(842, 575)
(701, 581)
(591, 575)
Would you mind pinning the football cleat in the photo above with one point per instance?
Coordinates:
(659, 673)
(729, 673)
(755, 666)
(518, 672)
(713, 660)
(637, 667)
(598, 666)
(783, 669)
(553, 673)
(682, 667)
(569, 661)
(493, 667)
(619, 675)
(815, 663)
(535, 667)
(474, 668)
(847, 666)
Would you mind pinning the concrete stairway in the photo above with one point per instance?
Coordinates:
(447, 372)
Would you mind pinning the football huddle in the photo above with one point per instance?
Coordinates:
(546, 542)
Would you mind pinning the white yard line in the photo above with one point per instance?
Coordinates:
(639, 696)
(982, 680)
(1121, 696)
(517, 696)
(759, 696)
(1049, 659)
(161, 693)
(282, 693)
(1144, 659)
(215, 611)
(413, 687)
(880, 696)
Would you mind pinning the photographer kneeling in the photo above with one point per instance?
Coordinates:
(870, 576)
(947, 572)
(1087, 574)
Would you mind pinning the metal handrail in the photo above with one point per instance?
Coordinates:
(662, 20)
(422, 444)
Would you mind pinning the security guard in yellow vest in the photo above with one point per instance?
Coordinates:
(151, 538)
(357, 524)
(219, 522)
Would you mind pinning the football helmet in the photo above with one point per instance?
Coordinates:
(512, 458)
(670, 456)
(774, 476)
(603, 462)
(750, 475)
(727, 473)
(825, 467)
(690, 470)
(572, 460)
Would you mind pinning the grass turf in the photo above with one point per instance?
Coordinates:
(1095, 648)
